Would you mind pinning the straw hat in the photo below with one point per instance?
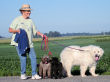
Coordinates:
(25, 7)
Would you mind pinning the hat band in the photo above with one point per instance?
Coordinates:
(25, 8)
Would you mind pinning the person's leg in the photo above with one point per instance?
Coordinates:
(32, 56)
(22, 61)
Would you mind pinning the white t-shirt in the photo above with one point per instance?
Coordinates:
(27, 25)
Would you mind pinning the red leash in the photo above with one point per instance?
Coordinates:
(65, 46)
(44, 44)
(45, 48)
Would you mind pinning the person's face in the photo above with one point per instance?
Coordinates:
(26, 13)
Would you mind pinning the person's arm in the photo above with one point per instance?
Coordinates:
(38, 33)
(11, 30)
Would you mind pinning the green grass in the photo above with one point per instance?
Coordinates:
(10, 64)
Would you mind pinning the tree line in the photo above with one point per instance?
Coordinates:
(58, 34)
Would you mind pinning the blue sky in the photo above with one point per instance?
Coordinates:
(65, 16)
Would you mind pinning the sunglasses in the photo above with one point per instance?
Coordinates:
(27, 10)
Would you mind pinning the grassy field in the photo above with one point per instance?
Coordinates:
(9, 60)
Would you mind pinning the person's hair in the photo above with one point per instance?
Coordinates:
(21, 11)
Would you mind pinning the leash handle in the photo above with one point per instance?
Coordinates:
(44, 42)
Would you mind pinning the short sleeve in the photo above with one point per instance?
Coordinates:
(14, 24)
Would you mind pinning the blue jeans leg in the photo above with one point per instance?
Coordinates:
(22, 61)
(32, 56)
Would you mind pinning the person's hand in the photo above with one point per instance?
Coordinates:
(44, 36)
(14, 31)
(18, 31)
